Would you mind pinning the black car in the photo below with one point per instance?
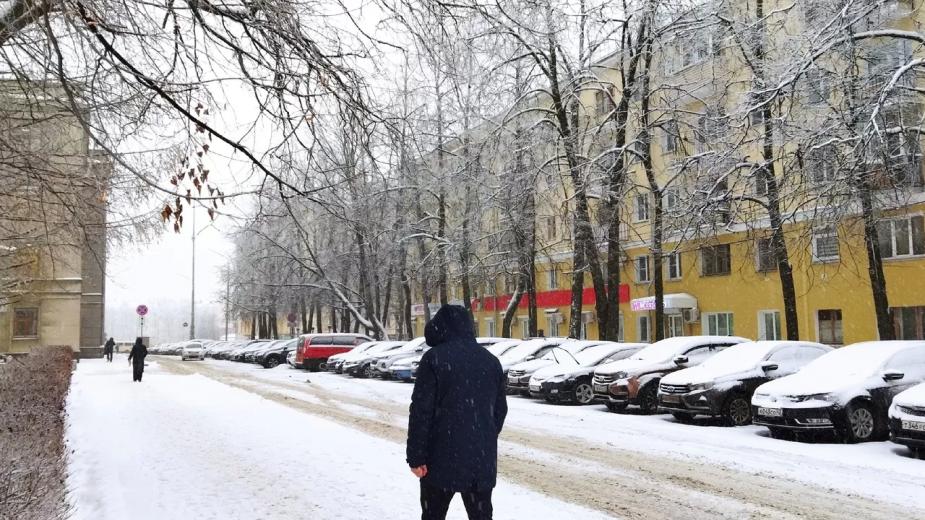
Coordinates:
(275, 355)
(569, 381)
(722, 386)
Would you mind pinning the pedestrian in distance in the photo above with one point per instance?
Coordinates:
(136, 358)
(108, 348)
(458, 408)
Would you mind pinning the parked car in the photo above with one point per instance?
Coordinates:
(723, 385)
(381, 364)
(239, 353)
(315, 349)
(907, 419)
(274, 355)
(498, 349)
(634, 380)
(359, 365)
(528, 350)
(406, 369)
(570, 379)
(518, 377)
(290, 358)
(847, 391)
(192, 350)
(335, 362)
(251, 352)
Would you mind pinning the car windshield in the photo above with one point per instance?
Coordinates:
(591, 356)
(413, 345)
(521, 351)
(384, 347)
(858, 360)
(500, 348)
(738, 358)
(561, 356)
(662, 350)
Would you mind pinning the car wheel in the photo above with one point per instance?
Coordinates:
(648, 400)
(616, 407)
(584, 394)
(683, 418)
(368, 371)
(862, 424)
(737, 411)
(781, 434)
(272, 362)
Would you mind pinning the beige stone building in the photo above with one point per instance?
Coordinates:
(52, 224)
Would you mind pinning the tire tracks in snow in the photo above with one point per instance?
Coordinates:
(619, 482)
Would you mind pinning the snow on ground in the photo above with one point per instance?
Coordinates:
(176, 447)
(880, 470)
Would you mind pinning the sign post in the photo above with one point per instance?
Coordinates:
(141, 311)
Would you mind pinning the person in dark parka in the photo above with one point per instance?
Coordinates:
(457, 411)
(108, 348)
(137, 359)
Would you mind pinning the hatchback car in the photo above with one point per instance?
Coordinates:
(907, 419)
(722, 386)
(569, 381)
(381, 364)
(634, 380)
(846, 392)
(335, 362)
(315, 349)
(274, 355)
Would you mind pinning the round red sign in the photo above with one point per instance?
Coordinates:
(141, 310)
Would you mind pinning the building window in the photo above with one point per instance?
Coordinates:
(765, 259)
(553, 324)
(673, 265)
(901, 237)
(642, 269)
(643, 329)
(642, 207)
(817, 87)
(822, 164)
(830, 326)
(908, 322)
(552, 279)
(671, 199)
(761, 184)
(769, 325)
(672, 137)
(25, 323)
(603, 101)
(715, 260)
(549, 227)
(524, 326)
(489, 327)
(718, 323)
(489, 288)
(674, 325)
(825, 244)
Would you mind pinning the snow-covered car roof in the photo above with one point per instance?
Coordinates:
(503, 346)
(859, 358)
(737, 359)
(526, 348)
(669, 347)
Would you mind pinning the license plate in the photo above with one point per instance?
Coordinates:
(671, 398)
(601, 389)
(770, 412)
(914, 426)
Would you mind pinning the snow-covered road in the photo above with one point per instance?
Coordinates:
(189, 447)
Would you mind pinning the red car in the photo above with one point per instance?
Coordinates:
(315, 349)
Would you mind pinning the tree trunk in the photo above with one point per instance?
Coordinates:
(305, 319)
(333, 319)
(511, 309)
(885, 329)
(318, 323)
(253, 324)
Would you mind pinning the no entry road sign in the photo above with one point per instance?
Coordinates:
(141, 310)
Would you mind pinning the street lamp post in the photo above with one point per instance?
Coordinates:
(192, 311)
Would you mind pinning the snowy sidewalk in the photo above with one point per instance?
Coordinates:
(187, 447)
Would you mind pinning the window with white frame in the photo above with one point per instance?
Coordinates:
(718, 323)
(489, 327)
(829, 322)
(643, 328)
(671, 137)
(769, 325)
(642, 207)
(901, 237)
(671, 200)
(524, 326)
(822, 164)
(673, 265)
(552, 279)
(549, 227)
(674, 325)
(765, 259)
(816, 82)
(25, 322)
(552, 322)
(715, 260)
(489, 287)
(642, 269)
(825, 244)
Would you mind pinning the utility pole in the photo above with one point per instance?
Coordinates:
(227, 299)
(192, 311)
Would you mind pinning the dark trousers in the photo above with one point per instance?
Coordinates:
(435, 502)
(109, 357)
(137, 370)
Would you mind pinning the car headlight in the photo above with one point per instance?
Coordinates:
(701, 387)
(415, 364)
(828, 398)
(556, 379)
(620, 375)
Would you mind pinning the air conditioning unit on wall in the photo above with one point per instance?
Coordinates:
(691, 315)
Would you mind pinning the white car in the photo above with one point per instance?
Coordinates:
(570, 379)
(192, 350)
(528, 350)
(634, 380)
(290, 359)
(722, 386)
(518, 377)
(498, 349)
(907, 419)
(846, 392)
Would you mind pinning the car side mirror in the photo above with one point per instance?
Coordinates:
(768, 367)
(892, 375)
(529, 358)
(419, 349)
(681, 360)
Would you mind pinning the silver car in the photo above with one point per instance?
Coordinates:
(192, 350)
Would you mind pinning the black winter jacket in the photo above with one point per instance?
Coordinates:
(457, 408)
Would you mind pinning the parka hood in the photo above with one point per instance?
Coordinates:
(450, 323)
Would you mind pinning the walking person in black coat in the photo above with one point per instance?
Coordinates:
(108, 348)
(137, 359)
(457, 411)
